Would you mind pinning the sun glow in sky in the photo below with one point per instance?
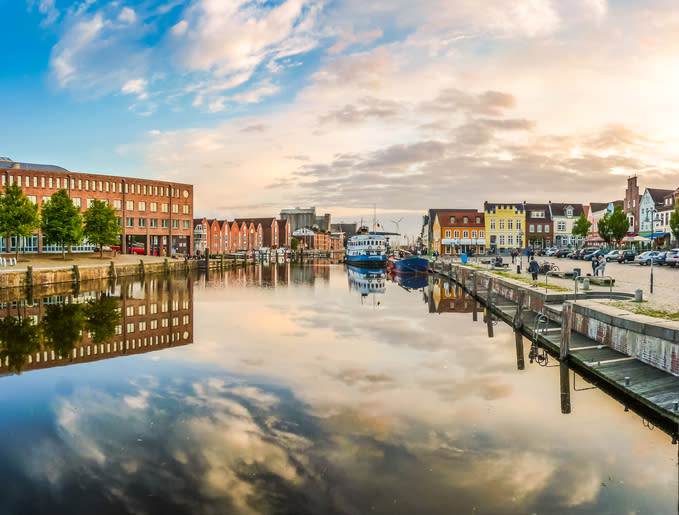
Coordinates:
(346, 104)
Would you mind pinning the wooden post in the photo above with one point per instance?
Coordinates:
(566, 324)
(565, 388)
(518, 339)
(489, 308)
(518, 316)
(475, 315)
(474, 287)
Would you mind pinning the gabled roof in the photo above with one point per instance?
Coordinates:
(658, 194)
(559, 209)
(602, 206)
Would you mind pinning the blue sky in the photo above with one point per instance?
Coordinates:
(346, 104)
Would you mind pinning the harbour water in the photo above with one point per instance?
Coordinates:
(305, 389)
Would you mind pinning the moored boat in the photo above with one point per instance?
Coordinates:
(407, 263)
(367, 249)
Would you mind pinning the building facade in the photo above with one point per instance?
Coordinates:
(458, 231)
(155, 216)
(652, 201)
(631, 206)
(505, 226)
(539, 227)
(564, 217)
(301, 218)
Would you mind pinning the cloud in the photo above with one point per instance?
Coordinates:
(135, 87)
(66, 54)
(127, 15)
(365, 109)
(47, 8)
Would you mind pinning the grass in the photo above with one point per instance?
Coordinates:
(525, 280)
(643, 309)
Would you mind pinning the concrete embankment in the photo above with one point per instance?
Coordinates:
(636, 357)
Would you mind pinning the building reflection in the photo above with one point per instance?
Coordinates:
(127, 317)
(445, 296)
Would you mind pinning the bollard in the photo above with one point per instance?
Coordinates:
(638, 295)
(585, 283)
(676, 406)
(627, 381)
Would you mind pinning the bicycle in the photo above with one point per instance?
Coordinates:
(548, 267)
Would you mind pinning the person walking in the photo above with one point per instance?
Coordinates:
(595, 263)
(602, 266)
(534, 268)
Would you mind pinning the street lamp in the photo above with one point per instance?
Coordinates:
(654, 214)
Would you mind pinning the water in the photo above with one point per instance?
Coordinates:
(303, 390)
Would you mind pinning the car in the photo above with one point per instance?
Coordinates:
(575, 254)
(549, 251)
(591, 255)
(612, 255)
(672, 257)
(626, 256)
(586, 252)
(134, 249)
(562, 253)
(645, 258)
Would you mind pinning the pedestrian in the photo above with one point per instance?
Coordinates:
(595, 263)
(534, 268)
(602, 266)
(513, 255)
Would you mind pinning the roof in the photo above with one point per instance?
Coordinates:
(602, 206)
(444, 216)
(264, 221)
(491, 206)
(657, 194)
(559, 209)
(6, 162)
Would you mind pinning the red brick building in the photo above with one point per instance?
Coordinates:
(631, 204)
(243, 234)
(155, 216)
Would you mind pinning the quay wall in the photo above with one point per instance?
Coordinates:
(651, 340)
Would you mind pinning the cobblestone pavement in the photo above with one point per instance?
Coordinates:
(628, 277)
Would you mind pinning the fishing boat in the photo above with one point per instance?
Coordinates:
(367, 249)
(403, 261)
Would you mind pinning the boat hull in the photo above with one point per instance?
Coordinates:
(367, 260)
(413, 264)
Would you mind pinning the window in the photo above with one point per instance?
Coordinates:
(35, 182)
(546, 228)
(478, 219)
(457, 234)
(127, 188)
(465, 234)
(518, 225)
(452, 219)
(502, 240)
(531, 228)
(154, 207)
(130, 221)
(634, 202)
(539, 228)
(142, 326)
(94, 185)
(141, 206)
(502, 225)
(118, 204)
(164, 223)
(447, 233)
(72, 184)
(42, 182)
(51, 183)
(89, 202)
(185, 225)
(33, 199)
(58, 183)
(165, 208)
(142, 222)
(465, 219)
(474, 235)
(129, 311)
(175, 208)
(142, 309)
(19, 181)
(175, 224)
(154, 324)
(481, 234)
(144, 189)
(129, 205)
(113, 187)
(492, 225)
(87, 185)
(108, 186)
(186, 209)
(154, 223)
(510, 224)
(154, 309)
(537, 214)
(561, 226)
(510, 240)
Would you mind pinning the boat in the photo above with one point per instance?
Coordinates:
(366, 280)
(367, 249)
(403, 261)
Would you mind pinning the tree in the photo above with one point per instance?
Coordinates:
(674, 221)
(617, 224)
(101, 225)
(604, 229)
(581, 226)
(18, 215)
(101, 318)
(294, 243)
(19, 338)
(62, 327)
(61, 221)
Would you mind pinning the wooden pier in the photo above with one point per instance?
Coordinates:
(584, 340)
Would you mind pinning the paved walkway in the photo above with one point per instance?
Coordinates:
(43, 262)
(628, 277)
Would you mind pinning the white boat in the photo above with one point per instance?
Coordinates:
(367, 249)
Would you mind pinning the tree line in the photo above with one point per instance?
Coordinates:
(60, 222)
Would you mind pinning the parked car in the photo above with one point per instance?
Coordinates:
(562, 253)
(645, 257)
(626, 256)
(612, 255)
(672, 257)
(576, 254)
(586, 252)
(134, 249)
(549, 251)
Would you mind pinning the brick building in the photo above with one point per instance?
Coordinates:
(631, 204)
(242, 234)
(155, 216)
(539, 225)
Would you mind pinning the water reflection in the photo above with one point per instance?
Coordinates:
(367, 281)
(410, 280)
(125, 317)
(445, 296)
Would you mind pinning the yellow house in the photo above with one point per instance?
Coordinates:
(505, 226)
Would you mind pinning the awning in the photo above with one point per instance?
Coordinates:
(465, 241)
(450, 241)
(480, 241)
(659, 234)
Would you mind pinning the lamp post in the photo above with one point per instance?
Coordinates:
(654, 213)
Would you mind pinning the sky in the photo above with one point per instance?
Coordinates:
(351, 106)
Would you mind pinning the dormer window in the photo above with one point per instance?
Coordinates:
(452, 219)
(465, 219)
(569, 211)
(478, 219)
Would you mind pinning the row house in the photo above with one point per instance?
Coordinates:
(222, 236)
(539, 226)
(597, 210)
(631, 204)
(504, 225)
(458, 231)
(652, 201)
(662, 227)
(564, 217)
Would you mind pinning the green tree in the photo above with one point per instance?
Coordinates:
(617, 224)
(294, 243)
(674, 221)
(604, 229)
(101, 318)
(62, 326)
(61, 221)
(101, 225)
(581, 226)
(18, 215)
(19, 338)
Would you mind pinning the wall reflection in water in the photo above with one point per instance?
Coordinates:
(445, 296)
(101, 321)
